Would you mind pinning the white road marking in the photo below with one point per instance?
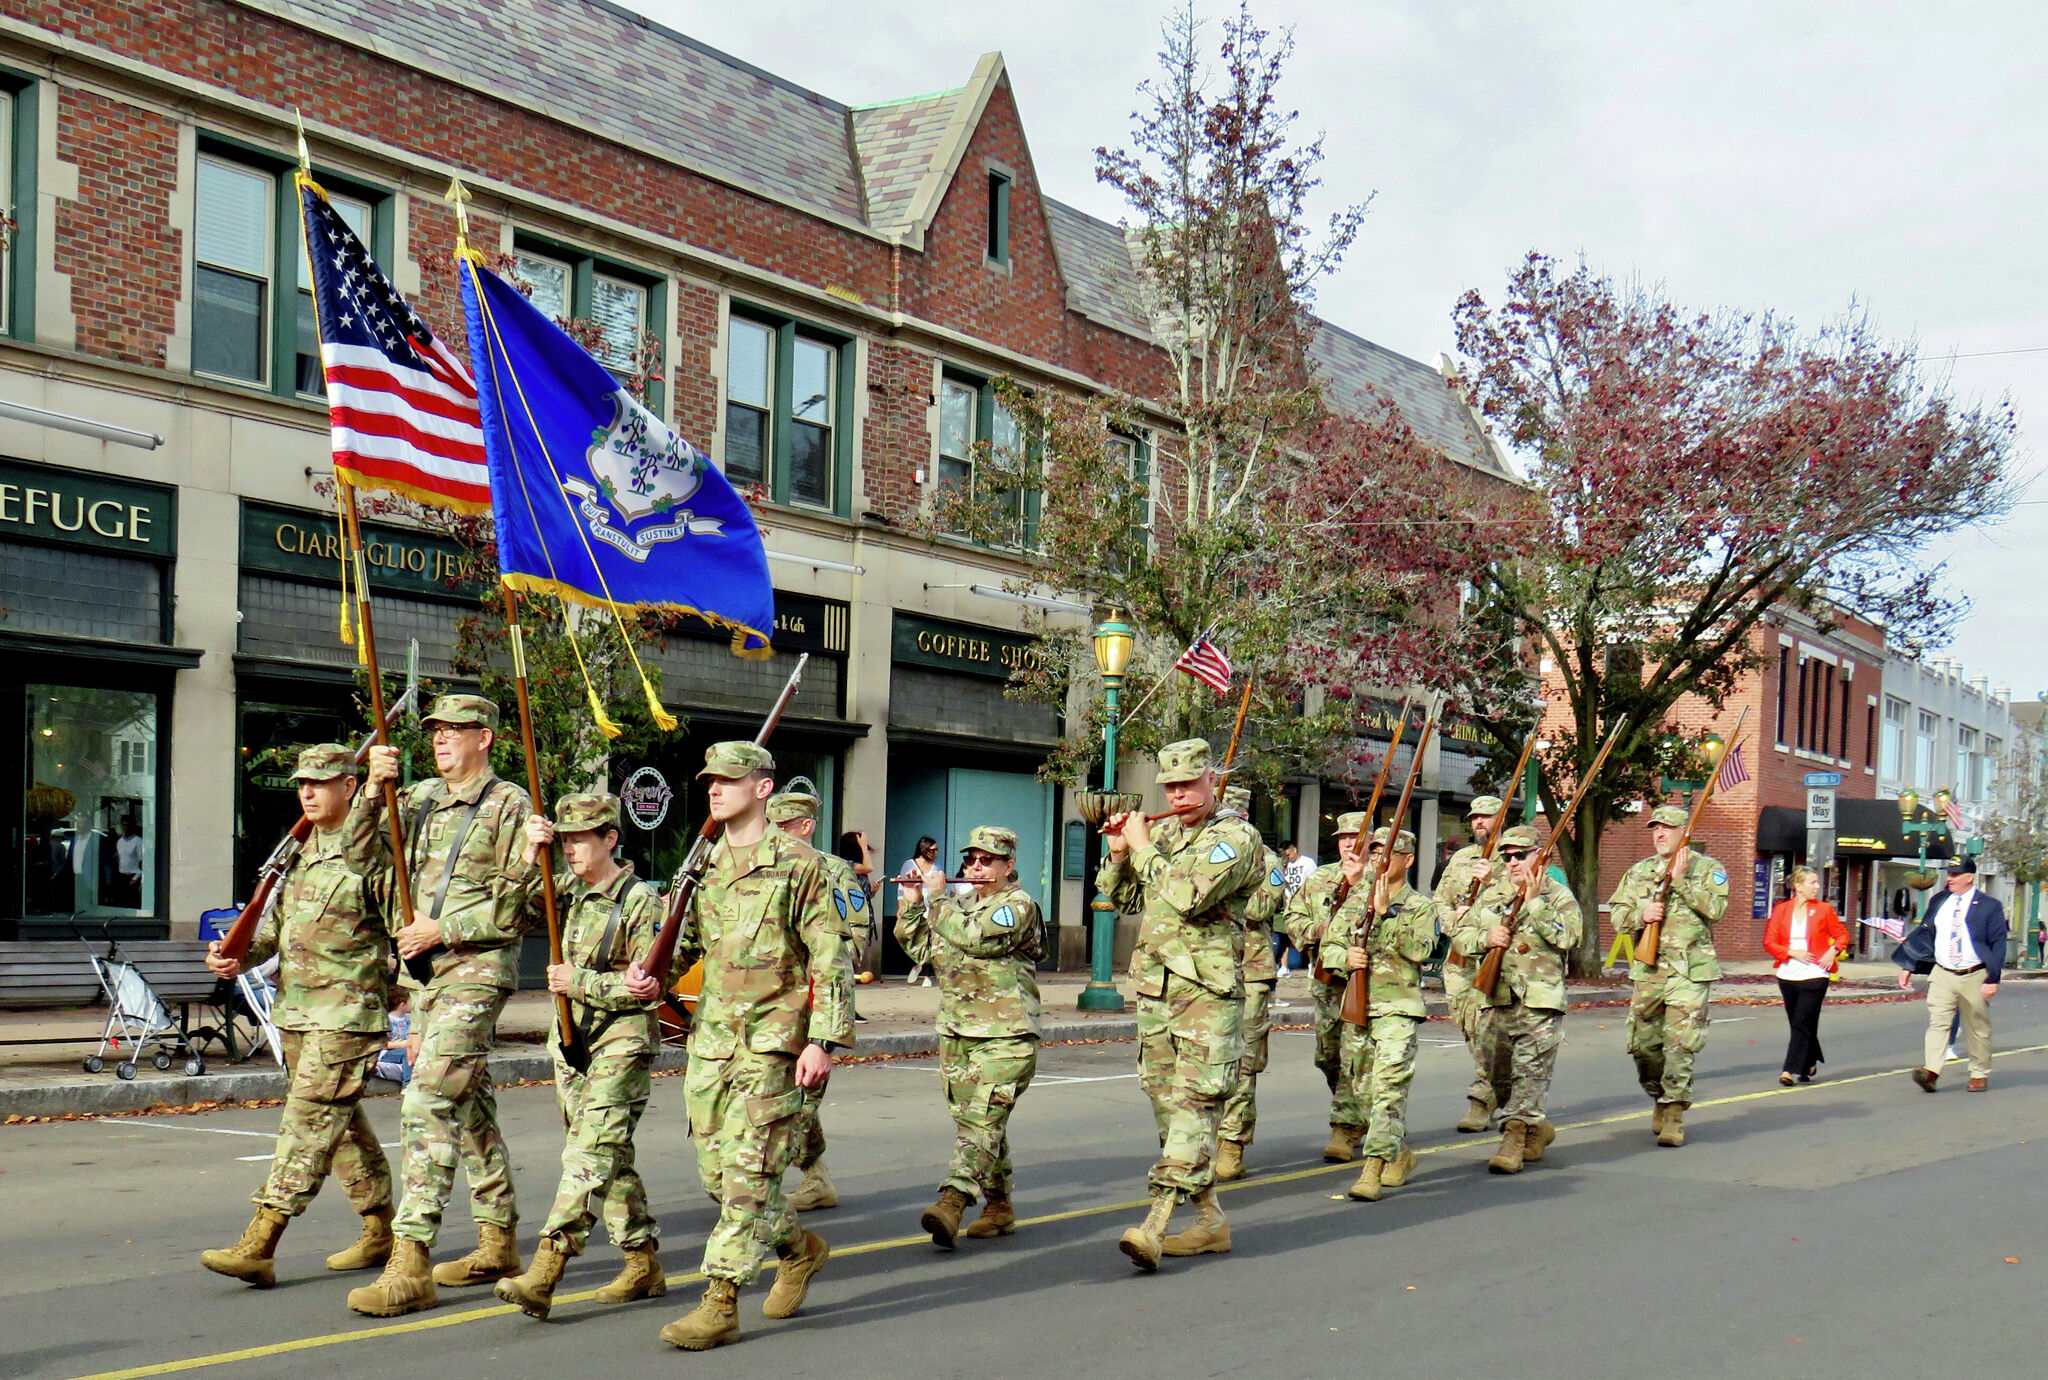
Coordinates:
(206, 1130)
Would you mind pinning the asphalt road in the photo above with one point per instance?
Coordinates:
(1853, 1227)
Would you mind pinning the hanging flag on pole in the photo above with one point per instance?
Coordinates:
(1206, 663)
(1733, 772)
(403, 409)
(1953, 813)
(595, 499)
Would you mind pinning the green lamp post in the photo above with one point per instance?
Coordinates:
(1926, 826)
(1114, 641)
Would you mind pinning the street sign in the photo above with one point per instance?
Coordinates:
(1823, 778)
(1820, 808)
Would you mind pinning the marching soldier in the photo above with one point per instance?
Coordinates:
(796, 814)
(1385, 929)
(609, 920)
(330, 1014)
(465, 841)
(1261, 975)
(777, 999)
(1516, 1031)
(984, 949)
(1309, 913)
(1667, 1018)
(1452, 892)
(1191, 882)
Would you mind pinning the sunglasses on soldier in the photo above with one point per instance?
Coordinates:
(1516, 854)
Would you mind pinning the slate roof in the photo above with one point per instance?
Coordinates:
(1351, 364)
(902, 146)
(1095, 260)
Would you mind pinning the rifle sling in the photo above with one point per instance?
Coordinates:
(602, 963)
(415, 847)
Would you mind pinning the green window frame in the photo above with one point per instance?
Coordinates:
(999, 184)
(963, 394)
(19, 93)
(787, 398)
(286, 352)
(592, 287)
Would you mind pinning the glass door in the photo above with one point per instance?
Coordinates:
(90, 817)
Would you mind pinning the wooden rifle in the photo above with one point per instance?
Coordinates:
(1500, 822)
(1357, 1007)
(1653, 930)
(690, 875)
(1379, 784)
(235, 943)
(1488, 975)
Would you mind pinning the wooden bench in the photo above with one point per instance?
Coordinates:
(39, 976)
(44, 975)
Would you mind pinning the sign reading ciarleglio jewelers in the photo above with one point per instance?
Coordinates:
(99, 512)
(309, 546)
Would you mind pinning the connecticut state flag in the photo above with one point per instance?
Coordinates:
(595, 499)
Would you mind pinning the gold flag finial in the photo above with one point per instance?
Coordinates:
(305, 158)
(459, 194)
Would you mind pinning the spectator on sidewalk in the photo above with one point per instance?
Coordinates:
(1297, 868)
(859, 854)
(1960, 945)
(926, 855)
(395, 1063)
(1806, 938)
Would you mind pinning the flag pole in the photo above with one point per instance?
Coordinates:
(574, 1051)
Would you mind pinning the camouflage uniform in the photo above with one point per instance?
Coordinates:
(1667, 1018)
(1376, 1061)
(1191, 885)
(601, 1107)
(1452, 889)
(449, 1114)
(1309, 913)
(1261, 975)
(327, 925)
(1516, 1032)
(776, 976)
(984, 950)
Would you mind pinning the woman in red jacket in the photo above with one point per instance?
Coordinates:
(1805, 935)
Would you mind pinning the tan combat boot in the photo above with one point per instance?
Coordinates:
(371, 1249)
(815, 1191)
(1146, 1242)
(406, 1286)
(1539, 1134)
(1210, 1235)
(1671, 1134)
(942, 1219)
(714, 1322)
(534, 1291)
(1513, 1140)
(1367, 1187)
(801, 1259)
(496, 1256)
(1657, 1115)
(639, 1278)
(1229, 1161)
(1343, 1146)
(250, 1258)
(1398, 1169)
(997, 1218)
(1478, 1116)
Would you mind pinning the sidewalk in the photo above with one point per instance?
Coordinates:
(47, 1080)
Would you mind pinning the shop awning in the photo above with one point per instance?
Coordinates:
(99, 649)
(1863, 829)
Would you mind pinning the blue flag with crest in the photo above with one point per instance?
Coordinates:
(595, 499)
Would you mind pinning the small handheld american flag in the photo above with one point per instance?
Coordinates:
(1733, 772)
(1207, 664)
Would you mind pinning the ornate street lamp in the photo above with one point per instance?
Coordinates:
(1711, 748)
(1914, 823)
(1114, 641)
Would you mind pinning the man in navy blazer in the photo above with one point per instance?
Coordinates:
(1960, 945)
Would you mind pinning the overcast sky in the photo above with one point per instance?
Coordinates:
(1792, 157)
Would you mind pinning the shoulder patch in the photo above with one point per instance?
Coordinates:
(1720, 877)
(839, 900)
(1277, 877)
(1222, 853)
(857, 898)
(1005, 917)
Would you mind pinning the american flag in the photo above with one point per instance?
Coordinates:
(1953, 813)
(1733, 773)
(1207, 664)
(1888, 926)
(403, 409)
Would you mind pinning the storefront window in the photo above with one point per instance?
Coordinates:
(90, 845)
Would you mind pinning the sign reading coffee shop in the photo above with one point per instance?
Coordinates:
(309, 545)
(966, 647)
(60, 507)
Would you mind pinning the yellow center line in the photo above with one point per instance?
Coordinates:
(438, 1320)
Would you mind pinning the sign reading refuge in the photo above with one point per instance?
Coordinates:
(293, 541)
(96, 511)
(965, 647)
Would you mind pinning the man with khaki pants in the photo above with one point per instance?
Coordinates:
(1968, 934)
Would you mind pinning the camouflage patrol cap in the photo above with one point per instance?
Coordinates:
(1521, 836)
(791, 805)
(1667, 814)
(1485, 805)
(324, 762)
(1185, 760)
(1238, 798)
(463, 709)
(735, 759)
(1349, 824)
(998, 843)
(1406, 843)
(590, 810)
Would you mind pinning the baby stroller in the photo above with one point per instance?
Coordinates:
(136, 1014)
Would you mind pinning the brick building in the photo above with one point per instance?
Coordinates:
(833, 288)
